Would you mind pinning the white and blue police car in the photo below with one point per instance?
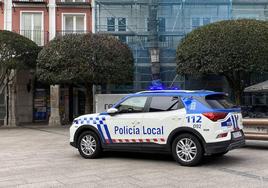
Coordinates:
(188, 124)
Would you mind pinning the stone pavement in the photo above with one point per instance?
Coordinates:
(42, 157)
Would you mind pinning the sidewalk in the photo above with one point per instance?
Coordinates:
(40, 156)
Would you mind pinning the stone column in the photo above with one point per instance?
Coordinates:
(7, 15)
(54, 119)
(12, 107)
(12, 121)
(52, 18)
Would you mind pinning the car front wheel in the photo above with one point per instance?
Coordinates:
(187, 150)
(89, 145)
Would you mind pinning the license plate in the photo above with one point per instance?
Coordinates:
(237, 134)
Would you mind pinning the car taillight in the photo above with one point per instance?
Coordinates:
(215, 116)
(222, 135)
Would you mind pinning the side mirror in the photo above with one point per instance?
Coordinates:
(112, 111)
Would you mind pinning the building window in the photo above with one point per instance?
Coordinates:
(162, 29)
(111, 24)
(195, 23)
(74, 23)
(206, 21)
(200, 21)
(122, 26)
(32, 27)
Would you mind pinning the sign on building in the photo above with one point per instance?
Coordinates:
(105, 101)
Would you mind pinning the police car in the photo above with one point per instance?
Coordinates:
(188, 124)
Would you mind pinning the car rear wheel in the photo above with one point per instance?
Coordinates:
(187, 150)
(89, 145)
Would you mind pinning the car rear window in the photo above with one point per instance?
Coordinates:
(219, 101)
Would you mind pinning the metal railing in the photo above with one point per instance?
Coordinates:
(256, 129)
(29, 1)
(73, 2)
(65, 32)
(40, 37)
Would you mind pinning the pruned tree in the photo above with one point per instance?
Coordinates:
(232, 48)
(85, 59)
(16, 52)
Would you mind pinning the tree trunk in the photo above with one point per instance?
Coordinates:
(238, 96)
(235, 83)
(89, 99)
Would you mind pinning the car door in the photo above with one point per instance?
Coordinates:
(125, 125)
(164, 114)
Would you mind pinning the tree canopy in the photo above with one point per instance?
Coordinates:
(85, 58)
(232, 48)
(17, 51)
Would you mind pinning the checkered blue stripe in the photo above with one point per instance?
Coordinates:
(100, 120)
(99, 123)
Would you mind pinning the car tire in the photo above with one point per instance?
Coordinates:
(187, 150)
(89, 145)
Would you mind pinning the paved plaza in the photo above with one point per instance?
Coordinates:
(42, 157)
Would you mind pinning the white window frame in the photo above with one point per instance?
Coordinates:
(42, 24)
(116, 22)
(74, 21)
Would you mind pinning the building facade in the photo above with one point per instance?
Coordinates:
(41, 21)
(151, 28)
(129, 21)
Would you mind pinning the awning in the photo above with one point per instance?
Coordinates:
(260, 87)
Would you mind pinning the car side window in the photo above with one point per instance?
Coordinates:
(165, 103)
(132, 105)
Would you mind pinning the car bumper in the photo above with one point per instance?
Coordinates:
(221, 147)
(73, 144)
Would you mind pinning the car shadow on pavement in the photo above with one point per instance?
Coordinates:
(263, 146)
(227, 159)
(138, 156)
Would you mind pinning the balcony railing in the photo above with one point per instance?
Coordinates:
(65, 32)
(30, 1)
(72, 3)
(40, 37)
